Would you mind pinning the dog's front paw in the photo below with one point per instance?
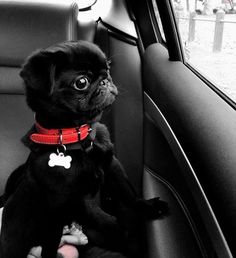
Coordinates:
(153, 208)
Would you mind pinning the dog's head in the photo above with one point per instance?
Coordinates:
(68, 80)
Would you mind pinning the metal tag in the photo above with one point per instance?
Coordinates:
(59, 160)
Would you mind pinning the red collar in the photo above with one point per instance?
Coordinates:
(60, 136)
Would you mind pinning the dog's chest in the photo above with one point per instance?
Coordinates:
(83, 175)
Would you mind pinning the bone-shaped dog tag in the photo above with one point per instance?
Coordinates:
(59, 160)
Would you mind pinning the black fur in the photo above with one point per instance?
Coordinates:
(40, 200)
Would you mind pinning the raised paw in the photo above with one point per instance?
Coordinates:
(153, 208)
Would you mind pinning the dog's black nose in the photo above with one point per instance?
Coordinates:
(104, 82)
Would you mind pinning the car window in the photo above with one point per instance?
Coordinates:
(158, 20)
(208, 33)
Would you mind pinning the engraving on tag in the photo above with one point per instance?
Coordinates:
(59, 160)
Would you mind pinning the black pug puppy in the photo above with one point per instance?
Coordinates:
(68, 86)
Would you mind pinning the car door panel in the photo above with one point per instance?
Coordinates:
(199, 128)
(165, 236)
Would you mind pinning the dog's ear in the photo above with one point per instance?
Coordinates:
(38, 71)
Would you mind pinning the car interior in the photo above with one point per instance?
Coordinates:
(174, 135)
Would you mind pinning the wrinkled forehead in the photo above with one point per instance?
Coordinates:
(88, 60)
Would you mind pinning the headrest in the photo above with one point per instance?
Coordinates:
(29, 25)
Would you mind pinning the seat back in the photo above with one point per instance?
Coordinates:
(25, 26)
(125, 119)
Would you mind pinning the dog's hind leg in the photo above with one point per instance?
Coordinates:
(13, 181)
(16, 237)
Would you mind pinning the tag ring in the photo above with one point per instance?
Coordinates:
(63, 148)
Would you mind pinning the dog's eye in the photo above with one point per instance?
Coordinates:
(81, 83)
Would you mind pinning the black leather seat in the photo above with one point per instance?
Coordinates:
(25, 26)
